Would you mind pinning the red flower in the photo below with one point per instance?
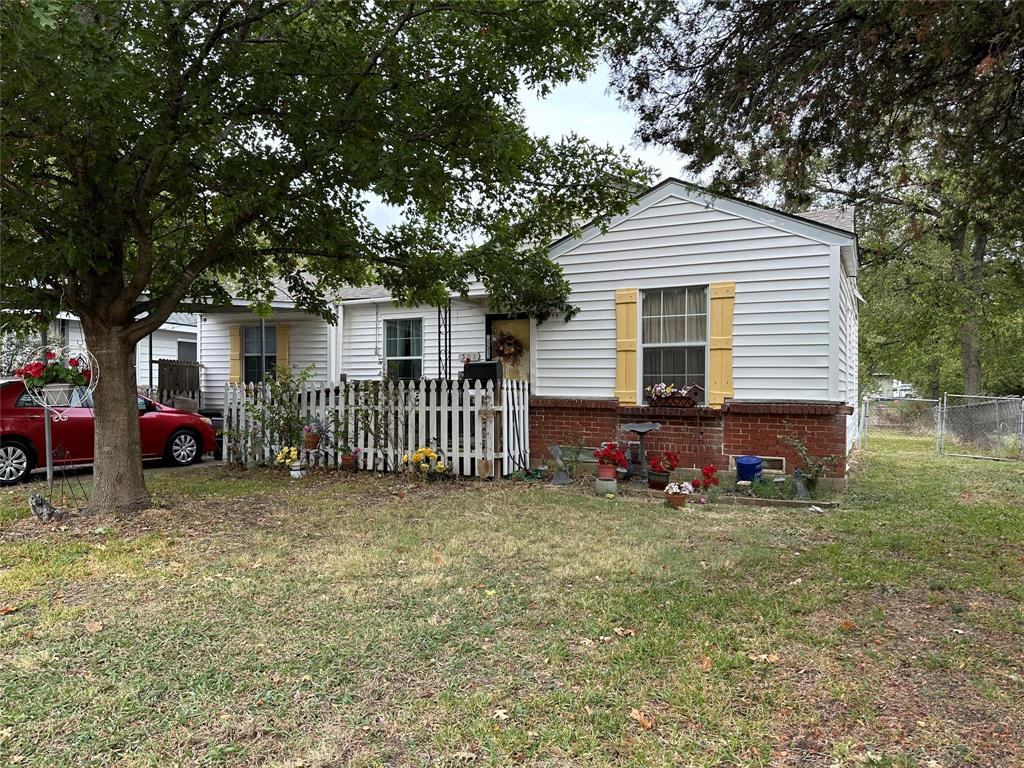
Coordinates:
(611, 454)
(51, 355)
(663, 462)
(87, 374)
(73, 362)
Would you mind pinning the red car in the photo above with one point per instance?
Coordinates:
(178, 437)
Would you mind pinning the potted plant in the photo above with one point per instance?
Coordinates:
(677, 494)
(56, 377)
(348, 456)
(659, 468)
(313, 432)
(289, 457)
(609, 458)
(663, 394)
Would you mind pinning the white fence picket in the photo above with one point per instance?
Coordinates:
(475, 425)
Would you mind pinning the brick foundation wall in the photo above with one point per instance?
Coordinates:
(700, 436)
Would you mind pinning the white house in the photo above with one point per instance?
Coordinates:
(753, 304)
(174, 340)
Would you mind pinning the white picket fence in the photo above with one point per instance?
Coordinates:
(482, 429)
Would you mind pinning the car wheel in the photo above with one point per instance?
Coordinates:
(182, 448)
(15, 462)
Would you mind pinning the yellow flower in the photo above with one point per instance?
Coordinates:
(424, 467)
(405, 459)
(439, 466)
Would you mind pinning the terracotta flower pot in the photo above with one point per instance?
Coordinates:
(348, 462)
(311, 440)
(606, 471)
(657, 480)
(677, 499)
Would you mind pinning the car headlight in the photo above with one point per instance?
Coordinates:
(206, 420)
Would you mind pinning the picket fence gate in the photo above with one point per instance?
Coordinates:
(482, 429)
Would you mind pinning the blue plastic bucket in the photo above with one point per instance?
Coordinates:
(748, 468)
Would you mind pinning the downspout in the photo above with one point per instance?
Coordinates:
(339, 342)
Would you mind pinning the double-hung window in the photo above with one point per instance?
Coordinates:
(259, 357)
(403, 348)
(675, 336)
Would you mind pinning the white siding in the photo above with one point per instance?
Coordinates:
(308, 343)
(165, 345)
(781, 334)
(849, 360)
(363, 335)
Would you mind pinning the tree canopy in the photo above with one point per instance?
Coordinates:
(912, 110)
(157, 151)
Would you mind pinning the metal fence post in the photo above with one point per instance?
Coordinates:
(1020, 433)
(864, 423)
(942, 423)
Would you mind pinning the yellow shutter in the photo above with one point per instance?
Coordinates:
(625, 345)
(723, 299)
(282, 346)
(235, 365)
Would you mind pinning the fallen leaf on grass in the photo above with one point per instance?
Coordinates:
(500, 714)
(847, 626)
(624, 631)
(8, 609)
(92, 627)
(705, 664)
(767, 658)
(438, 560)
(465, 756)
(642, 719)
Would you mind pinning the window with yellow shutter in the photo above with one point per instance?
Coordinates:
(674, 336)
(259, 355)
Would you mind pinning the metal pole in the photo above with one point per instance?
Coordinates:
(1020, 432)
(48, 437)
(942, 423)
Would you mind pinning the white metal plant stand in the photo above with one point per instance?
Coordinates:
(61, 395)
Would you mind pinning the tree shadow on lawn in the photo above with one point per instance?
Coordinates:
(372, 621)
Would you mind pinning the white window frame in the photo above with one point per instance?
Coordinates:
(642, 345)
(384, 340)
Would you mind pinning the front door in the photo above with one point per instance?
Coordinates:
(518, 368)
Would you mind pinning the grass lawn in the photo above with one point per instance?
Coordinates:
(250, 620)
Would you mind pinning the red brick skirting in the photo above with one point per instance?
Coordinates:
(700, 436)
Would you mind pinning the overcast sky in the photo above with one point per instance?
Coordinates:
(588, 109)
(585, 108)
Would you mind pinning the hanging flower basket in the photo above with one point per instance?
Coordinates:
(311, 440)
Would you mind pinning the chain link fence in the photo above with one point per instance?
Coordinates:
(981, 427)
(911, 420)
(971, 426)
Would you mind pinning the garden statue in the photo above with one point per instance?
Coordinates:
(561, 473)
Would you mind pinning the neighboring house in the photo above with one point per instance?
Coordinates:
(757, 306)
(174, 340)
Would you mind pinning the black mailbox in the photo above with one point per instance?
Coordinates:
(488, 370)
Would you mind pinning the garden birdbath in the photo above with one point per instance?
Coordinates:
(641, 430)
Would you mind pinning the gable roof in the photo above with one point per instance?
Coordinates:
(808, 225)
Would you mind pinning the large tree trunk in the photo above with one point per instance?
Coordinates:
(969, 271)
(118, 482)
